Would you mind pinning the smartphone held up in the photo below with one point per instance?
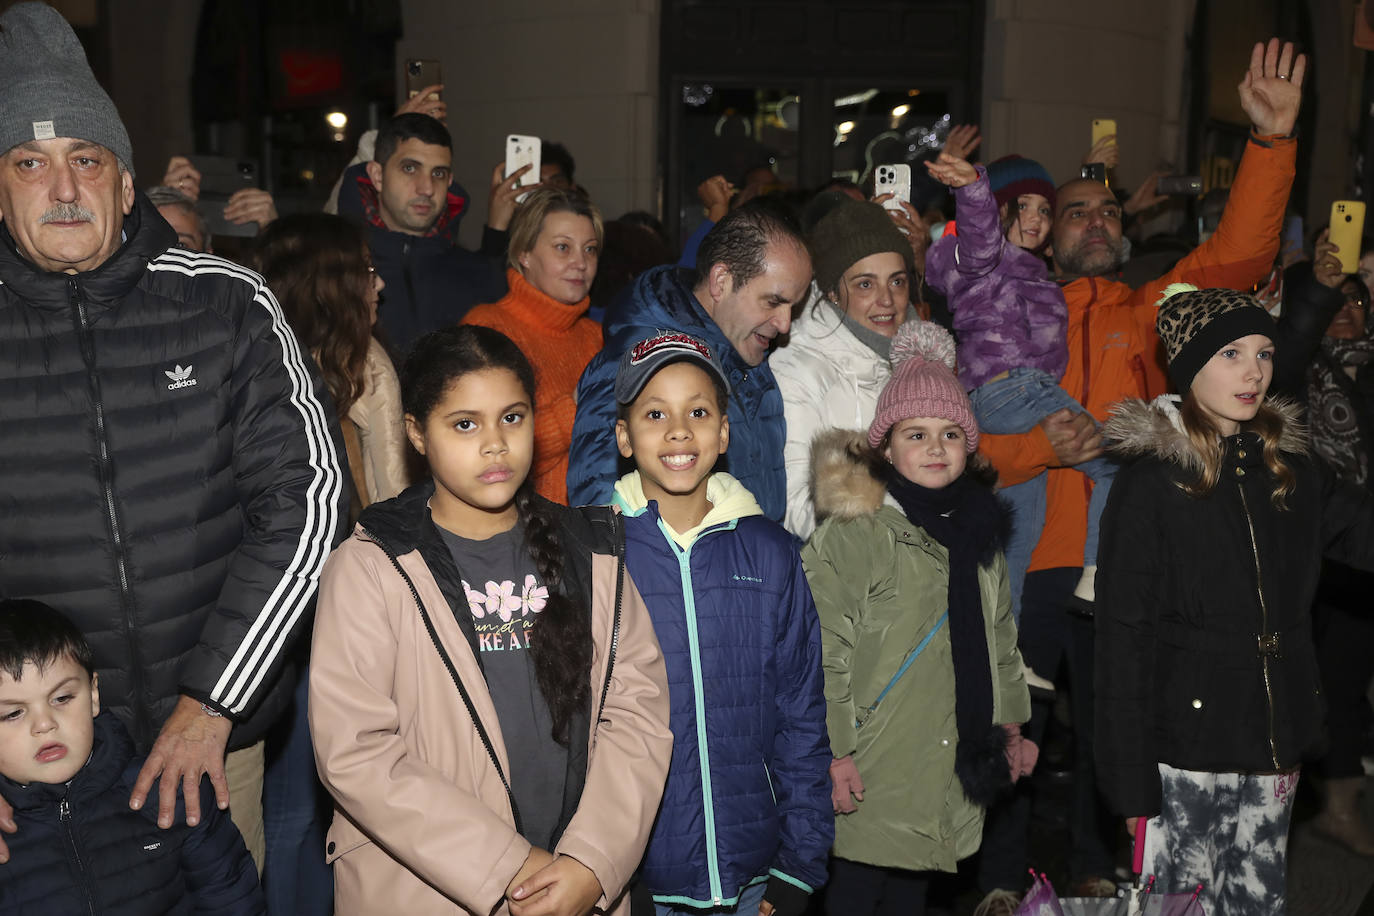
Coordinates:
(523, 150)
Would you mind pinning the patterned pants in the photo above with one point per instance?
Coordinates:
(1227, 832)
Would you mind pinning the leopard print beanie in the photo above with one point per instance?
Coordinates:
(1195, 323)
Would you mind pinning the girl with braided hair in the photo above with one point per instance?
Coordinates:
(487, 698)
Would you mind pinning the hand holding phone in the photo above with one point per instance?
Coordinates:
(894, 179)
(523, 151)
(422, 75)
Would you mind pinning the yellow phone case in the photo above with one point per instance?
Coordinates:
(1347, 228)
(1103, 127)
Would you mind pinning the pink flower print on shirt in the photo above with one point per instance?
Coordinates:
(533, 597)
(477, 602)
(502, 600)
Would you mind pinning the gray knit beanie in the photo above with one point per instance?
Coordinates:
(49, 89)
(850, 232)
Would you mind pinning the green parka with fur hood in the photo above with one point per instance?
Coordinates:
(880, 585)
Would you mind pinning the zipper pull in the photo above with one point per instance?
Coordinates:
(64, 810)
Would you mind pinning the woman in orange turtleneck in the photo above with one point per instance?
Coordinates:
(555, 239)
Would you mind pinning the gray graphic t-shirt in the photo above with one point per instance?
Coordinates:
(505, 597)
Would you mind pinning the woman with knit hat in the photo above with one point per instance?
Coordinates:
(835, 363)
(925, 689)
(1011, 320)
(555, 241)
(1208, 695)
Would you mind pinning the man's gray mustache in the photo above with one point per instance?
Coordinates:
(67, 213)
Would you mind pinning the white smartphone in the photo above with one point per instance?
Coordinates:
(894, 179)
(522, 151)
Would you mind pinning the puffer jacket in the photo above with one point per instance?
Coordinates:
(1114, 352)
(1008, 313)
(748, 794)
(431, 281)
(661, 299)
(81, 850)
(829, 380)
(881, 585)
(169, 473)
(407, 738)
(1205, 658)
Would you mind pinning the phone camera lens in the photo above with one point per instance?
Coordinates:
(414, 68)
(1348, 217)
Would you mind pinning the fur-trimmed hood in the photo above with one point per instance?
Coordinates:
(844, 481)
(1138, 428)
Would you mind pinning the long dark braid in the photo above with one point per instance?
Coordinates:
(561, 639)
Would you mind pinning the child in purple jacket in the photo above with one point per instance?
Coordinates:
(1011, 322)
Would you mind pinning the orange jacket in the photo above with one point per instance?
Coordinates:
(1114, 352)
(559, 341)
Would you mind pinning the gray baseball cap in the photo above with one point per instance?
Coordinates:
(651, 354)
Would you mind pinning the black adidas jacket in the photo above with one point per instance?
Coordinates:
(169, 472)
(80, 850)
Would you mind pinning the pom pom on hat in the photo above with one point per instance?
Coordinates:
(925, 339)
(923, 384)
(1173, 289)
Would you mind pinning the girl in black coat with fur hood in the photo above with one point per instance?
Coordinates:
(1208, 696)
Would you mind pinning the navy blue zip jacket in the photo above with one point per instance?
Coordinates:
(81, 850)
(748, 793)
(662, 299)
(431, 282)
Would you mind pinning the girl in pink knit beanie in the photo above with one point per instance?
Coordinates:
(925, 688)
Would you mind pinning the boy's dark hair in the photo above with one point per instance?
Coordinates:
(562, 645)
(31, 632)
(622, 411)
(552, 153)
(740, 239)
(409, 126)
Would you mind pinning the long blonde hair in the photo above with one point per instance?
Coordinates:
(1206, 440)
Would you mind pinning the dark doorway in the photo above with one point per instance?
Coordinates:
(810, 89)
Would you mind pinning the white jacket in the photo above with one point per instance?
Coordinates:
(829, 380)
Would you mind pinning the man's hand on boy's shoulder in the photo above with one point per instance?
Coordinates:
(191, 745)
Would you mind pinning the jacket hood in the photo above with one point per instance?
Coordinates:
(146, 236)
(358, 200)
(843, 480)
(730, 502)
(111, 751)
(1155, 429)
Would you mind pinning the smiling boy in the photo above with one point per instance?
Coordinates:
(746, 824)
(68, 769)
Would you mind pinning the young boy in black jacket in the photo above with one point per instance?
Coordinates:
(68, 769)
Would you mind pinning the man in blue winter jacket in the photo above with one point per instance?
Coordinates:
(752, 269)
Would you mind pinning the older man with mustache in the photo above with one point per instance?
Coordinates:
(168, 474)
(1114, 353)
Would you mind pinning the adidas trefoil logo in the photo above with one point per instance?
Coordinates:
(181, 378)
